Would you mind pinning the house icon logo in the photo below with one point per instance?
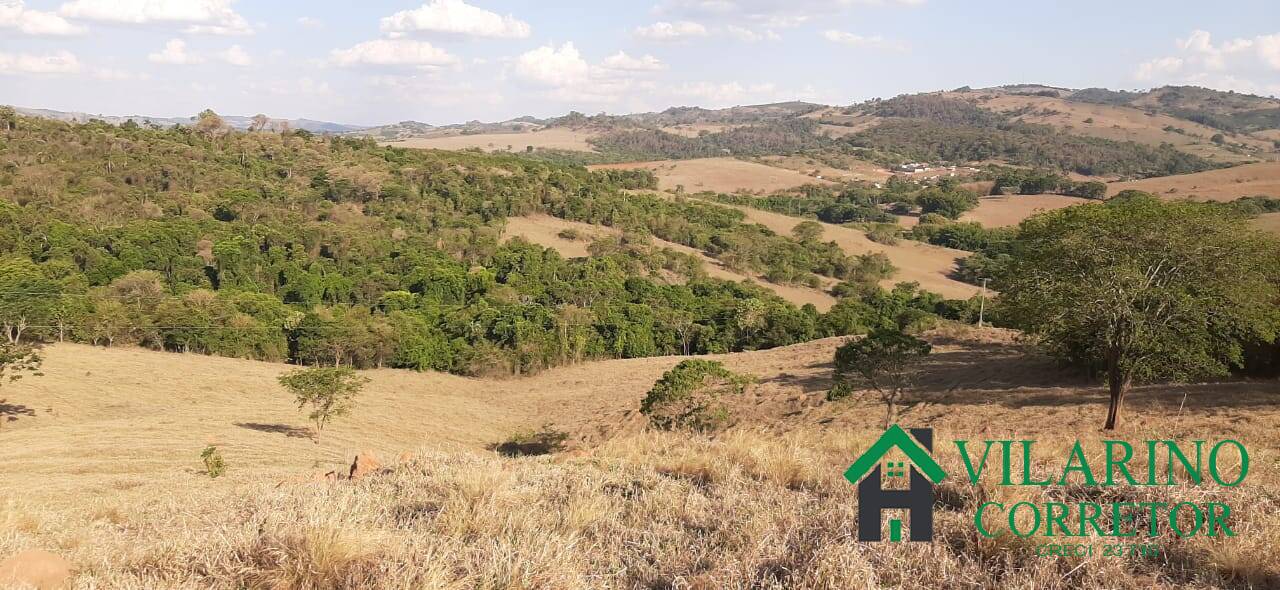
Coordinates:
(867, 472)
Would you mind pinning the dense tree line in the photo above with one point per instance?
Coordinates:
(1036, 182)
(775, 137)
(937, 108)
(846, 204)
(1025, 144)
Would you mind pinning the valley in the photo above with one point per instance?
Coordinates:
(633, 350)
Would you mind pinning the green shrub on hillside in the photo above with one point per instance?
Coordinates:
(688, 397)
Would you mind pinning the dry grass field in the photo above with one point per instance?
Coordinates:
(1227, 184)
(1000, 211)
(1269, 222)
(851, 169)
(1117, 123)
(723, 175)
(544, 230)
(555, 138)
(696, 129)
(104, 471)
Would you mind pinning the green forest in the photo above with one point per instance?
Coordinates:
(328, 250)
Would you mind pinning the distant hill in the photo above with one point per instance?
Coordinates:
(1228, 111)
(238, 122)
(417, 130)
(671, 117)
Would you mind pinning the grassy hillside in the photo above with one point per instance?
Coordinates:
(764, 505)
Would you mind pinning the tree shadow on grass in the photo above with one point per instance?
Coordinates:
(10, 412)
(545, 441)
(285, 429)
(816, 378)
(1167, 397)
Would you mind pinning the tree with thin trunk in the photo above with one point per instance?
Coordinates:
(27, 297)
(329, 392)
(886, 361)
(1143, 290)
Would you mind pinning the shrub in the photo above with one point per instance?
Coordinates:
(1090, 190)
(950, 204)
(884, 233)
(545, 441)
(688, 396)
(933, 219)
(214, 466)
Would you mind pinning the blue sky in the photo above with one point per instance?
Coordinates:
(444, 61)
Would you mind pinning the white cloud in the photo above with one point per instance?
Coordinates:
(623, 62)
(867, 42)
(431, 91)
(726, 93)
(1165, 65)
(236, 56)
(215, 17)
(393, 52)
(458, 18)
(15, 15)
(553, 67)
(563, 74)
(117, 75)
(1240, 64)
(1269, 50)
(773, 13)
(58, 62)
(665, 31)
(310, 23)
(751, 36)
(174, 53)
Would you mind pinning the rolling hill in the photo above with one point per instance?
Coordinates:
(235, 121)
(127, 426)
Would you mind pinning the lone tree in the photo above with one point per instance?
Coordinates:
(1143, 290)
(328, 391)
(807, 231)
(689, 396)
(885, 360)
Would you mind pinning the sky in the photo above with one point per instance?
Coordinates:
(445, 61)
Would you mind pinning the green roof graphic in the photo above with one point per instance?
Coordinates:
(895, 436)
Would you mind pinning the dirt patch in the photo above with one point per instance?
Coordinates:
(1000, 211)
(847, 170)
(555, 138)
(1269, 222)
(724, 175)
